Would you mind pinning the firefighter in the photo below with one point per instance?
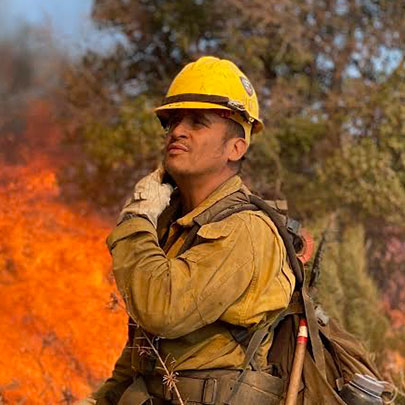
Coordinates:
(197, 298)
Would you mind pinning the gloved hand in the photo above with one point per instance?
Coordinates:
(149, 199)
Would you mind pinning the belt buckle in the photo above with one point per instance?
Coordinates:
(209, 391)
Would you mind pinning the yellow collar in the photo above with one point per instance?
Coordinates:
(228, 187)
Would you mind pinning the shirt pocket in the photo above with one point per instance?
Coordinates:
(214, 232)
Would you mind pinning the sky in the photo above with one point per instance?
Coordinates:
(68, 20)
(73, 30)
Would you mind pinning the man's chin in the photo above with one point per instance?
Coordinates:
(173, 168)
(177, 170)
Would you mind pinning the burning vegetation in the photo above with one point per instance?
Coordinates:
(59, 337)
(54, 278)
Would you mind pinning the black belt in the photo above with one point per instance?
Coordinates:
(215, 386)
(199, 387)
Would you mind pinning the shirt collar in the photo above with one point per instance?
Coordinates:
(228, 187)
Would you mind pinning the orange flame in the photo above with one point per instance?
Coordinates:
(58, 339)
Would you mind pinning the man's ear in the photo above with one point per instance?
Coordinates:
(239, 147)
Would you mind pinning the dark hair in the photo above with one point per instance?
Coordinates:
(235, 130)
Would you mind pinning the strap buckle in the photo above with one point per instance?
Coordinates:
(195, 390)
(209, 391)
(293, 226)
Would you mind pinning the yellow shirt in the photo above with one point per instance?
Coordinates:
(238, 275)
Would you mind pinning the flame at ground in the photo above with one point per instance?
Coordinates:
(58, 337)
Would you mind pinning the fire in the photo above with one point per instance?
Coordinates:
(58, 337)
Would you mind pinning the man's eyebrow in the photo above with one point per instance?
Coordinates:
(202, 117)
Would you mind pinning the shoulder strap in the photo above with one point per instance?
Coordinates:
(285, 236)
(241, 201)
(238, 202)
(231, 204)
(309, 309)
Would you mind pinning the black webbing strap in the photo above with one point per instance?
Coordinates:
(234, 210)
(238, 201)
(255, 202)
(191, 237)
(258, 337)
(315, 339)
(255, 341)
(285, 236)
(313, 329)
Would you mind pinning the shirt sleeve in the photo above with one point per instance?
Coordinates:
(171, 297)
(122, 377)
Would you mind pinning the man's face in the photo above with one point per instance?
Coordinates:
(195, 143)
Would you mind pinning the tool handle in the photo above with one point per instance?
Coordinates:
(298, 363)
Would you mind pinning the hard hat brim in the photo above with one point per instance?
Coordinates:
(190, 105)
(160, 111)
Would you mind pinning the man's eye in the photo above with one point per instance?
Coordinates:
(170, 124)
(198, 122)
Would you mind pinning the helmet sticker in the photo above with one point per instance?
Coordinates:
(247, 86)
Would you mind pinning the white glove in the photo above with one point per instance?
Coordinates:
(150, 197)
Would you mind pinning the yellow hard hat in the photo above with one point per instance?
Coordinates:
(212, 83)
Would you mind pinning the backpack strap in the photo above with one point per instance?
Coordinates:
(315, 339)
(262, 333)
(295, 308)
(231, 204)
(313, 329)
(242, 201)
(285, 236)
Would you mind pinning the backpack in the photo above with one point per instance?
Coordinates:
(333, 356)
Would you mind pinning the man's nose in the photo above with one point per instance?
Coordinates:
(179, 130)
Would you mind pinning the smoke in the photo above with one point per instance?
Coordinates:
(30, 70)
